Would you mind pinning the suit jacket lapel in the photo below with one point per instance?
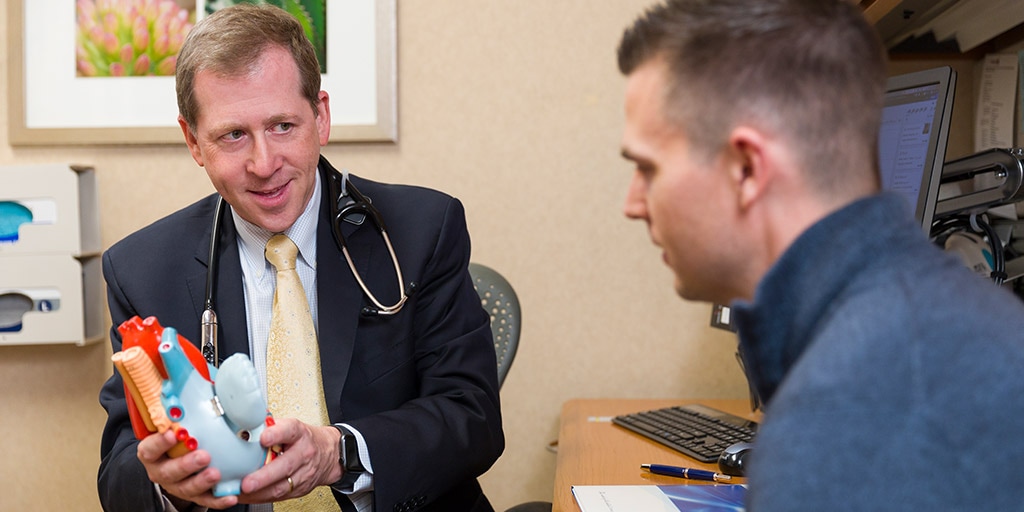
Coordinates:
(340, 300)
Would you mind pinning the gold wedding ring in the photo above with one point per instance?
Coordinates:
(291, 485)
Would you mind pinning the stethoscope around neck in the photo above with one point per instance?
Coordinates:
(350, 206)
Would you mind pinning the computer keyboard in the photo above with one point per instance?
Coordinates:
(695, 430)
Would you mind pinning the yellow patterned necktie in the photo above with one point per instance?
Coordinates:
(295, 387)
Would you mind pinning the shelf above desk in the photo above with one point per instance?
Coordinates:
(948, 27)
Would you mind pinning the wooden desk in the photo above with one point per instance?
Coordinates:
(593, 451)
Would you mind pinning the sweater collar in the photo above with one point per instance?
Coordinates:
(796, 293)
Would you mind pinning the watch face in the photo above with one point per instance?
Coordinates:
(350, 454)
(352, 467)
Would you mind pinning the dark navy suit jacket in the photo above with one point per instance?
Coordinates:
(420, 386)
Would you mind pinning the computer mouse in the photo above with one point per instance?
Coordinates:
(733, 461)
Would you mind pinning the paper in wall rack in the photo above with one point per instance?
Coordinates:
(51, 284)
(15, 302)
(50, 299)
(48, 209)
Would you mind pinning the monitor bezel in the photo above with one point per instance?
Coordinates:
(945, 78)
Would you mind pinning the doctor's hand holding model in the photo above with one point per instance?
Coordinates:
(409, 404)
(891, 374)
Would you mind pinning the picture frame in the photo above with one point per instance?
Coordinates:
(49, 105)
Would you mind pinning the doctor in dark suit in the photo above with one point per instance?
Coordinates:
(415, 393)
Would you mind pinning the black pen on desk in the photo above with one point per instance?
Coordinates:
(691, 473)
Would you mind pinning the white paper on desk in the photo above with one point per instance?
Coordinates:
(659, 498)
(997, 94)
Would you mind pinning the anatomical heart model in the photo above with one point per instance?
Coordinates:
(169, 385)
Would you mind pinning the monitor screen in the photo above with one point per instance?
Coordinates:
(912, 139)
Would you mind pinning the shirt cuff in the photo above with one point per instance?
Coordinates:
(365, 481)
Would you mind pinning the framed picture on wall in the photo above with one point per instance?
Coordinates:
(74, 80)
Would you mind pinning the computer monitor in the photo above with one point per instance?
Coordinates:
(911, 146)
(912, 140)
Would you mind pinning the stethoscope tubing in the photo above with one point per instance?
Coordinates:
(209, 324)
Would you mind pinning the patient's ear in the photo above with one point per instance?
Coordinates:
(751, 168)
(191, 141)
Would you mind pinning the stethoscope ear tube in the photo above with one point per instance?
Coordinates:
(340, 189)
(373, 311)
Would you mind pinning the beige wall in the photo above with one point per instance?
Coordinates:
(513, 106)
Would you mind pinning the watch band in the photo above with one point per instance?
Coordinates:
(348, 457)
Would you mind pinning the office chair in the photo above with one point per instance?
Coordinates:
(501, 302)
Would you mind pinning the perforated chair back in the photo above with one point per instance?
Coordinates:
(501, 302)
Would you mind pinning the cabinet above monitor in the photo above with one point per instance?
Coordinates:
(944, 26)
